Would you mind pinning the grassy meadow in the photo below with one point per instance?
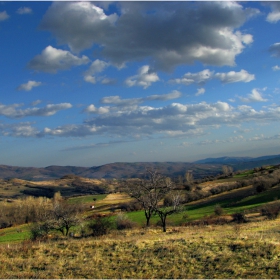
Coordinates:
(230, 251)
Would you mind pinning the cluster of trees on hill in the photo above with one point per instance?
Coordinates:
(154, 193)
(44, 213)
(262, 179)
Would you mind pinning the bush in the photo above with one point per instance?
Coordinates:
(239, 218)
(262, 186)
(40, 231)
(218, 210)
(271, 212)
(100, 226)
(123, 222)
(132, 206)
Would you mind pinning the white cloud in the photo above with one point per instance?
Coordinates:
(12, 111)
(255, 96)
(36, 102)
(29, 85)
(273, 16)
(108, 81)
(89, 79)
(96, 67)
(199, 78)
(22, 129)
(235, 77)
(276, 68)
(144, 78)
(206, 75)
(70, 130)
(116, 100)
(24, 10)
(200, 91)
(92, 109)
(51, 60)
(146, 30)
(174, 120)
(3, 16)
(80, 24)
(169, 96)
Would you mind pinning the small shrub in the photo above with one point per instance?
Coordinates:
(100, 226)
(239, 218)
(218, 210)
(5, 224)
(188, 187)
(123, 222)
(261, 186)
(271, 212)
(39, 231)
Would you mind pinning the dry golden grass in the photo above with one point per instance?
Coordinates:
(117, 198)
(230, 251)
(206, 186)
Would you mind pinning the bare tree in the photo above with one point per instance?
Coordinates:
(172, 204)
(149, 191)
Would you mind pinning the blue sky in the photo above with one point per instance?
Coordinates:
(90, 83)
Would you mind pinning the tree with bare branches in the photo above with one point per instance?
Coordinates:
(172, 204)
(149, 192)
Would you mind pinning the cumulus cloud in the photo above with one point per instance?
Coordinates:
(146, 120)
(273, 16)
(276, 68)
(92, 109)
(96, 67)
(79, 24)
(200, 91)
(24, 10)
(168, 33)
(22, 129)
(163, 97)
(174, 120)
(3, 16)
(52, 60)
(144, 78)
(117, 100)
(255, 96)
(13, 111)
(206, 75)
(108, 81)
(235, 77)
(29, 85)
(199, 78)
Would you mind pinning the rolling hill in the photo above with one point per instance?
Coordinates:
(121, 170)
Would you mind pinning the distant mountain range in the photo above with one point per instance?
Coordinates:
(232, 160)
(119, 170)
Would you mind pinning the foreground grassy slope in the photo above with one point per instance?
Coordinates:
(230, 251)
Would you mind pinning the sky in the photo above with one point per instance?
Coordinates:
(91, 83)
